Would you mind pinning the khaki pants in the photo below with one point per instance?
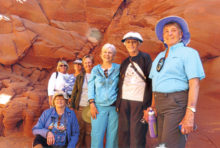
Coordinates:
(171, 108)
(85, 131)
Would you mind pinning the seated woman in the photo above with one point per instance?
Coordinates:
(57, 127)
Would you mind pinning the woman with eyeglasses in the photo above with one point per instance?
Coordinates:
(102, 94)
(57, 81)
(79, 101)
(176, 73)
(57, 127)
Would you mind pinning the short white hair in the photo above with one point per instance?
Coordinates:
(109, 46)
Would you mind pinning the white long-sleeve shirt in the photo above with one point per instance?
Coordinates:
(56, 84)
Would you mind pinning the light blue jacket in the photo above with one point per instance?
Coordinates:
(104, 90)
(41, 128)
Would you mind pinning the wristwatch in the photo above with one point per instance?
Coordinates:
(91, 101)
(193, 109)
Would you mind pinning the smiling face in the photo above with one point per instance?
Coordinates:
(59, 102)
(63, 68)
(87, 64)
(131, 45)
(77, 67)
(172, 34)
(107, 55)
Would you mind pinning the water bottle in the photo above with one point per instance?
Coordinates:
(152, 123)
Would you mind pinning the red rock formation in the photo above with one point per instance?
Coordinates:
(40, 32)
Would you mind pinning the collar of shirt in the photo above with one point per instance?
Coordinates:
(135, 57)
(172, 49)
(110, 70)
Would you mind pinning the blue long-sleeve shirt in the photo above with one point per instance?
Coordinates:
(104, 90)
(72, 127)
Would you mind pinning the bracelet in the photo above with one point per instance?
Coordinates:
(193, 109)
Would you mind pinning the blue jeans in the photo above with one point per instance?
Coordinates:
(106, 121)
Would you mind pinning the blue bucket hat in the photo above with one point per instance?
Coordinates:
(180, 21)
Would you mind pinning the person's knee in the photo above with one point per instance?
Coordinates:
(38, 146)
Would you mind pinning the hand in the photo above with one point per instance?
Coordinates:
(50, 138)
(187, 122)
(145, 117)
(93, 110)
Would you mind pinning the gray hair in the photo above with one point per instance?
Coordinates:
(109, 46)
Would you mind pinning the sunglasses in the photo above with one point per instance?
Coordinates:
(58, 122)
(78, 63)
(160, 64)
(86, 56)
(106, 73)
(63, 65)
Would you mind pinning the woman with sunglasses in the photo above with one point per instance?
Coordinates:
(175, 73)
(79, 101)
(102, 94)
(57, 81)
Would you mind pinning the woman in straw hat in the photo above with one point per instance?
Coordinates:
(175, 73)
(57, 126)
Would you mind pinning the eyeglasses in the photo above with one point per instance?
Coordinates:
(106, 73)
(63, 65)
(131, 41)
(160, 64)
(59, 99)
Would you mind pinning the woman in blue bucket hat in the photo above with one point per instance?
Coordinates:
(175, 73)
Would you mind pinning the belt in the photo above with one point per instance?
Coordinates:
(172, 93)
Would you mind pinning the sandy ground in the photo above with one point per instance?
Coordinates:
(16, 141)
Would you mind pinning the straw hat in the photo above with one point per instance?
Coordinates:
(86, 114)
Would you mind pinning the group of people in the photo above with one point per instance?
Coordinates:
(120, 96)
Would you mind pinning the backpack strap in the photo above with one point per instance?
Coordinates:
(57, 74)
(135, 69)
